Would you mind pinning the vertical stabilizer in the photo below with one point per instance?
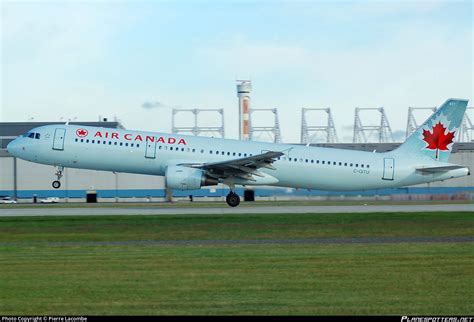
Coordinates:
(434, 139)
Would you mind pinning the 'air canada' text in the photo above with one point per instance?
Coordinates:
(139, 137)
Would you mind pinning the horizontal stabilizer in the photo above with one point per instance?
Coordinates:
(440, 169)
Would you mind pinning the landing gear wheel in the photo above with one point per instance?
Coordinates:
(59, 174)
(56, 184)
(233, 199)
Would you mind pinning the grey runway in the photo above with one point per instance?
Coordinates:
(187, 210)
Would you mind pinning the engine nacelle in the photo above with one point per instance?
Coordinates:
(184, 178)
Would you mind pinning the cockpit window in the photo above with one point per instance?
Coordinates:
(32, 135)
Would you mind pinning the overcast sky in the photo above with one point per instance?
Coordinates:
(137, 60)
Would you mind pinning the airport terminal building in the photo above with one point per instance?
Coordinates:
(23, 180)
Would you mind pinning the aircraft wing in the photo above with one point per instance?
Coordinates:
(440, 169)
(242, 168)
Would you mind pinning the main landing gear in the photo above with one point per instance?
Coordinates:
(232, 199)
(59, 173)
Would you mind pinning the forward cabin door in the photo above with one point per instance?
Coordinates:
(150, 151)
(388, 168)
(58, 141)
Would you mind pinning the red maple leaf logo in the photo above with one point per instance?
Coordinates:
(82, 133)
(438, 140)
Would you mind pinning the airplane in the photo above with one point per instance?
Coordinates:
(191, 162)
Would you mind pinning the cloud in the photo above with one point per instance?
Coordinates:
(156, 104)
(420, 63)
(58, 36)
(313, 54)
(240, 54)
(399, 136)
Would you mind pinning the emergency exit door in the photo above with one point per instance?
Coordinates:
(388, 168)
(58, 141)
(150, 151)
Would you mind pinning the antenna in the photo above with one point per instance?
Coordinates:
(197, 129)
(383, 130)
(272, 131)
(412, 124)
(466, 133)
(310, 132)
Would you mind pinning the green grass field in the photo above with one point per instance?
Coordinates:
(51, 265)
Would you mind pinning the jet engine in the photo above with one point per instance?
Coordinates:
(184, 178)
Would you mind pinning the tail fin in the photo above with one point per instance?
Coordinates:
(435, 138)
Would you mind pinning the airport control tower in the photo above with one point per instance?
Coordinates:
(244, 87)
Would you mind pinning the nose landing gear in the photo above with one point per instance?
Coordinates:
(56, 184)
(59, 173)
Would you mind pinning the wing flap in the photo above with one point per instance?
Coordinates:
(243, 168)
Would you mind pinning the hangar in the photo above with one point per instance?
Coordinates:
(24, 180)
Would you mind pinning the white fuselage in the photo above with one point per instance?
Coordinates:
(151, 153)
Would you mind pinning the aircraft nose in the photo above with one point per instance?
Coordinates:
(13, 147)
